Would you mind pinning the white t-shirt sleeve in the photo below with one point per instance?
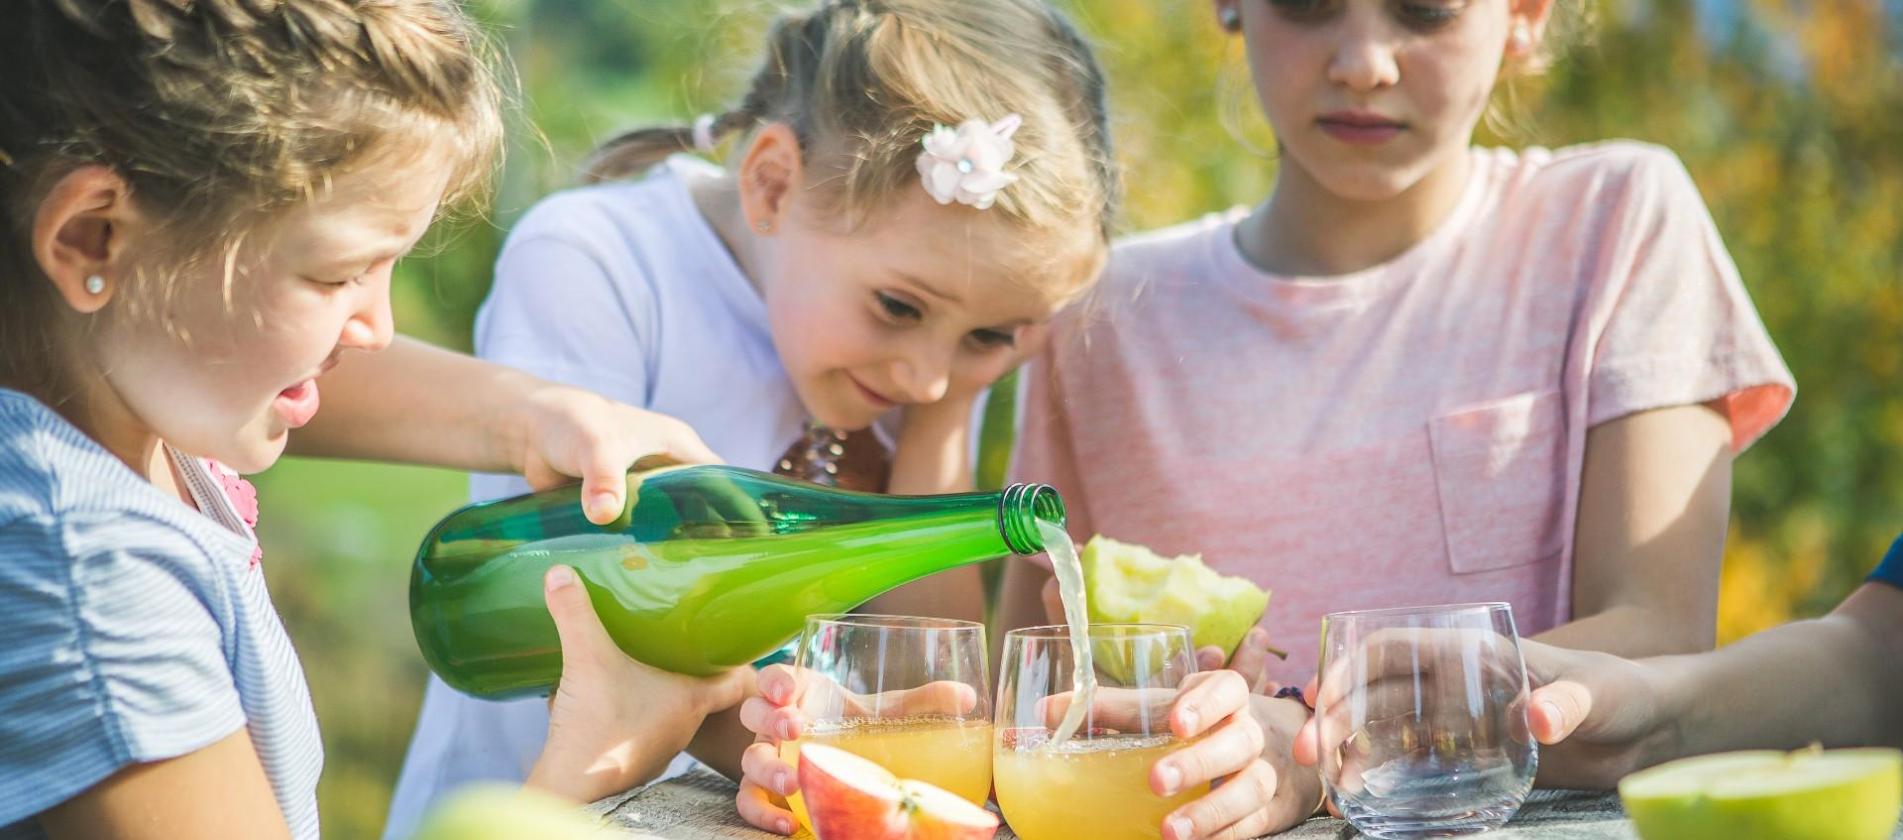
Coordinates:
(556, 311)
(559, 312)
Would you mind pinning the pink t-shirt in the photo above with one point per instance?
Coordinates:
(1412, 433)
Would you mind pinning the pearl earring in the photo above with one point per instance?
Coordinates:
(763, 226)
(95, 284)
(1522, 38)
(1230, 18)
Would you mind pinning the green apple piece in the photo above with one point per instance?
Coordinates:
(504, 812)
(1852, 794)
(1127, 583)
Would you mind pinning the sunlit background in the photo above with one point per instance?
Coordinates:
(1789, 114)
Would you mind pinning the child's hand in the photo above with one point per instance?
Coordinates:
(1595, 714)
(774, 714)
(1251, 660)
(613, 722)
(561, 433)
(787, 699)
(1252, 795)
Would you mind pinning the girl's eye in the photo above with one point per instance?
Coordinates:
(1429, 15)
(896, 309)
(993, 339)
(338, 284)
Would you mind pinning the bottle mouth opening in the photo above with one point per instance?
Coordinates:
(1021, 508)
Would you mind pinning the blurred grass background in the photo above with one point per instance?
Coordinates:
(1789, 114)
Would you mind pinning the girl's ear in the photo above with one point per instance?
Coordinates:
(770, 176)
(81, 231)
(1526, 28)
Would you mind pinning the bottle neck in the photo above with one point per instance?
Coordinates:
(1020, 508)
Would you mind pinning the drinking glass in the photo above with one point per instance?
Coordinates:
(1421, 716)
(910, 694)
(1095, 785)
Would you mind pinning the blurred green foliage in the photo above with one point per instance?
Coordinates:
(1788, 113)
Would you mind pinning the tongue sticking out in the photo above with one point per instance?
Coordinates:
(297, 404)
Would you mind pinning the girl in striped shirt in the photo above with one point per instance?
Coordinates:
(202, 203)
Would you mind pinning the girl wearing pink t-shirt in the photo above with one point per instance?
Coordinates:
(1419, 371)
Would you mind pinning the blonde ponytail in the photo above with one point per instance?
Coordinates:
(635, 151)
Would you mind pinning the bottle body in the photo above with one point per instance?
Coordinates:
(708, 568)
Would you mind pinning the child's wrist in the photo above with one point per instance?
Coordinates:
(953, 411)
(512, 429)
(551, 782)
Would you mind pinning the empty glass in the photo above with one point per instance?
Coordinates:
(1421, 718)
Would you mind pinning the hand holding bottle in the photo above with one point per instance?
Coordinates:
(560, 433)
(613, 722)
(787, 699)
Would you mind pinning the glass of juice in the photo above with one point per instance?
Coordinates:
(1096, 783)
(910, 694)
(1422, 719)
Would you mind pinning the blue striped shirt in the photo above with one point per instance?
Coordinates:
(136, 628)
(1890, 571)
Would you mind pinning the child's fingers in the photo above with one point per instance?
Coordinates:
(1206, 698)
(1304, 747)
(944, 697)
(1229, 748)
(1117, 708)
(779, 684)
(780, 723)
(1238, 808)
(683, 444)
(756, 807)
(1209, 658)
(1558, 709)
(762, 765)
(1252, 659)
(604, 483)
(753, 715)
(582, 637)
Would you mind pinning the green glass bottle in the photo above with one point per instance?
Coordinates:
(708, 568)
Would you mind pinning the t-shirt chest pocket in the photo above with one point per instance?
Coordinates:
(1501, 472)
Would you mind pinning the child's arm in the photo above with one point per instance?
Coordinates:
(416, 403)
(1834, 680)
(217, 791)
(1655, 498)
(933, 455)
(614, 723)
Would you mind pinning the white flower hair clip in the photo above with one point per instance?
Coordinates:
(966, 164)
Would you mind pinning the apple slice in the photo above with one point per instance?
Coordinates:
(1760, 795)
(851, 798)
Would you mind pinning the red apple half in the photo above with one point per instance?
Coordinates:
(850, 798)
